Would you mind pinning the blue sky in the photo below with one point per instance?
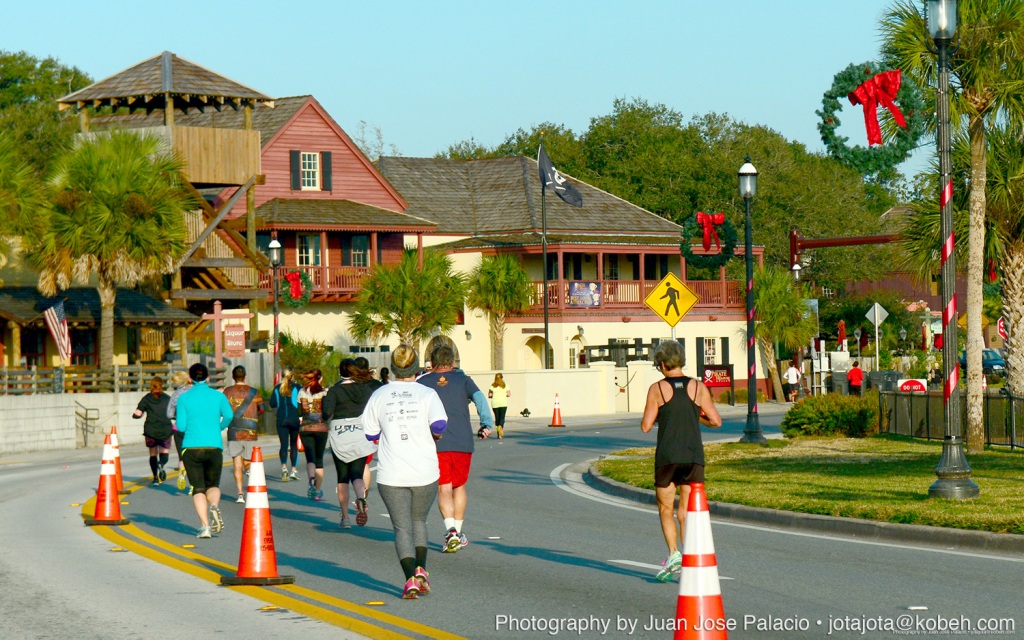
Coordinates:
(430, 74)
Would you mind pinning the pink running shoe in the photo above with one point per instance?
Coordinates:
(421, 578)
(412, 589)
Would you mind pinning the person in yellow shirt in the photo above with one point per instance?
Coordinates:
(499, 396)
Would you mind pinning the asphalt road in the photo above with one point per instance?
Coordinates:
(547, 557)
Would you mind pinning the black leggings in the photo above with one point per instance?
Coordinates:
(348, 471)
(289, 437)
(315, 443)
(499, 416)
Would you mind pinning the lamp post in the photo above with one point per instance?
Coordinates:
(954, 474)
(748, 186)
(903, 341)
(276, 260)
(857, 334)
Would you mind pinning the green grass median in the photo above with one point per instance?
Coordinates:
(884, 478)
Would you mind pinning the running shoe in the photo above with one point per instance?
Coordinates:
(451, 541)
(240, 499)
(412, 589)
(421, 578)
(294, 475)
(319, 497)
(462, 540)
(345, 523)
(191, 490)
(163, 475)
(284, 474)
(311, 491)
(156, 480)
(205, 533)
(182, 480)
(216, 522)
(361, 514)
(670, 567)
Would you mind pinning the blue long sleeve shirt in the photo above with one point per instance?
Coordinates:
(202, 414)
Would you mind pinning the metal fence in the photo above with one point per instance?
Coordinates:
(920, 415)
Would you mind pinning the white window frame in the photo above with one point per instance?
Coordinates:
(711, 351)
(307, 249)
(309, 170)
(361, 257)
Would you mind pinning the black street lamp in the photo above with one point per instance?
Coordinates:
(857, 334)
(276, 260)
(903, 341)
(954, 474)
(748, 186)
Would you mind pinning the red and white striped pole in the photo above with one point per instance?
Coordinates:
(276, 260)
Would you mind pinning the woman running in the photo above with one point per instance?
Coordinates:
(499, 396)
(181, 383)
(285, 398)
(406, 418)
(313, 431)
(343, 408)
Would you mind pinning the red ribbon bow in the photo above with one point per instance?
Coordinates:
(708, 222)
(295, 280)
(879, 90)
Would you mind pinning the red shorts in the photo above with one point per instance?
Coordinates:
(454, 467)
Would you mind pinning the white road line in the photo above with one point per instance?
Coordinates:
(579, 488)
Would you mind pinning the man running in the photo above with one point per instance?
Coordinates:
(455, 450)
(247, 405)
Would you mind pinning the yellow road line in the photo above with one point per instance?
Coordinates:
(272, 596)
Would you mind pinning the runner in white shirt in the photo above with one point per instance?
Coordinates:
(792, 376)
(407, 418)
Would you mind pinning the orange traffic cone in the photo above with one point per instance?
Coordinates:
(301, 448)
(556, 419)
(699, 612)
(108, 505)
(117, 460)
(257, 561)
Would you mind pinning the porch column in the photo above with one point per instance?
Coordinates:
(419, 250)
(600, 266)
(324, 281)
(561, 281)
(250, 231)
(643, 275)
(373, 249)
(15, 328)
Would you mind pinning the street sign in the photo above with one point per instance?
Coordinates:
(912, 385)
(876, 311)
(234, 341)
(671, 299)
(1001, 328)
(962, 322)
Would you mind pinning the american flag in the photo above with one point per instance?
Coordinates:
(58, 324)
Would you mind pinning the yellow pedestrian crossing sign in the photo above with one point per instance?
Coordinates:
(671, 299)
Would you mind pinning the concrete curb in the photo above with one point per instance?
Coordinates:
(960, 539)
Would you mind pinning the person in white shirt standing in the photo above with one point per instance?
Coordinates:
(406, 419)
(792, 377)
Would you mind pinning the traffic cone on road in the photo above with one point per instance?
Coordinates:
(699, 612)
(556, 419)
(301, 448)
(108, 505)
(257, 561)
(117, 460)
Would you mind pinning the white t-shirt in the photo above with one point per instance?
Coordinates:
(792, 375)
(402, 412)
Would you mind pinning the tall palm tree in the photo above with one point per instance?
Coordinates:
(499, 285)
(409, 301)
(116, 210)
(781, 317)
(987, 74)
(20, 197)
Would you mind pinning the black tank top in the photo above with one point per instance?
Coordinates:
(679, 427)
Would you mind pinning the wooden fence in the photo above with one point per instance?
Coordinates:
(92, 380)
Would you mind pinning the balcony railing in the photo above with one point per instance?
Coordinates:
(630, 294)
(326, 280)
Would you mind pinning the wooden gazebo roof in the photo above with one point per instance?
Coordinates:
(151, 83)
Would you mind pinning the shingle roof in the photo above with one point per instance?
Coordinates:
(144, 85)
(266, 121)
(82, 305)
(534, 239)
(497, 195)
(290, 213)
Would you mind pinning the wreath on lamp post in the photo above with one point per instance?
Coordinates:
(296, 289)
(872, 86)
(714, 229)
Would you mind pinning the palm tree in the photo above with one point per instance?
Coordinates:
(987, 73)
(499, 285)
(409, 301)
(116, 210)
(20, 197)
(781, 317)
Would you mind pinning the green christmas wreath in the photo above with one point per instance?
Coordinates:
(296, 289)
(872, 86)
(726, 233)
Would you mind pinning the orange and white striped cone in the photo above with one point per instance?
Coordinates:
(556, 418)
(117, 460)
(699, 612)
(108, 505)
(257, 560)
(299, 440)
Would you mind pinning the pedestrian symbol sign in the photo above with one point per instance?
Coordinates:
(671, 299)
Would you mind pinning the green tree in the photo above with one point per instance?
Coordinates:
(987, 77)
(116, 211)
(29, 89)
(302, 356)
(409, 301)
(499, 285)
(20, 197)
(781, 316)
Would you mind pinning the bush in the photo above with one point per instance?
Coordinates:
(832, 415)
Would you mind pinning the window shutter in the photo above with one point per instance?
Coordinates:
(346, 251)
(682, 343)
(700, 358)
(295, 158)
(325, 164)
(725, 351)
